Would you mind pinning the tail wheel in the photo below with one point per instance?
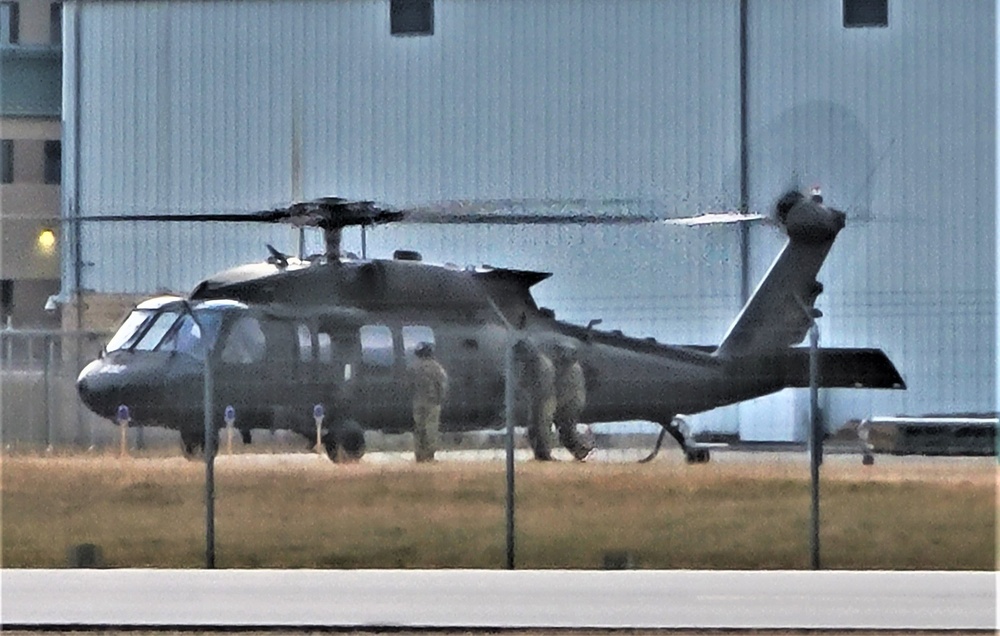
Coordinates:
(697, 456)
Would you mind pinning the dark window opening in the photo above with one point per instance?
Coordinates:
(305, 340)
(55, 24)
(411, 17)
(10, 22)
(376, 346)
(7, 161)
(53, 161)
(6, 300)
(866, 13)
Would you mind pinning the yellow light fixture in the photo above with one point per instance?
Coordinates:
(46, 241)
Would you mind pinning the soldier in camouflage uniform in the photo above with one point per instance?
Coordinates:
(430, 385)
(571, 397)
(536, 398)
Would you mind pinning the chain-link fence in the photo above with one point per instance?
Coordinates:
(39, 407)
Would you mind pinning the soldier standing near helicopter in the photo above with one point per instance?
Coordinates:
(430, 385)
(536, 397)
(571, 397)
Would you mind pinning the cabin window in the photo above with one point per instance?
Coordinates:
(413, 337)
(305, 343)
(325, 348)
(376, 346)
(245, 343)
(155, 332)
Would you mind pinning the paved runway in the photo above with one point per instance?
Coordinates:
(456, 599)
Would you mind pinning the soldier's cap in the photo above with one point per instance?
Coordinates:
(424, 350)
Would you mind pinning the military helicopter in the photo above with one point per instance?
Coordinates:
(287, 334)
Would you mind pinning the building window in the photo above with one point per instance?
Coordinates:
(10, 22)
(53, 161)
(866, 13)
(6, 301)
(55, 24)
(7, 161)
(411, 17)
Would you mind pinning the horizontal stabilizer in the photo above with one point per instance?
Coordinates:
(838, 368)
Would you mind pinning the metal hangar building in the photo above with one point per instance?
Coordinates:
(889, 105)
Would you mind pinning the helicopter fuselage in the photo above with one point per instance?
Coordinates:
(278, 338)
(274, 369)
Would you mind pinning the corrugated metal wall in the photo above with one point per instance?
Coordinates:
(899, 126)
(202, 106)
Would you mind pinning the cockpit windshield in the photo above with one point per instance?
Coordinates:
(127, 333)
(172, 329)
(156, 330)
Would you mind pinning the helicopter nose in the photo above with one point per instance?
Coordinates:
(96, 390)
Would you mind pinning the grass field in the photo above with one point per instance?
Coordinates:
(301, 511)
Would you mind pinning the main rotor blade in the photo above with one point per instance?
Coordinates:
(222, 217)
(333, 212)
(559, 211)
(713, 218)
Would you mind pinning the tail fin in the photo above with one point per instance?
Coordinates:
(781, 309)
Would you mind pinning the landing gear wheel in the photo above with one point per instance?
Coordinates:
(346, 442)
(331, 447)
(193, 442)
(352, 440)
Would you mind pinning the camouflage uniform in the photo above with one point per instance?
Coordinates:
(430, 385)
(535, 397)
(543, 408)
(571, 397)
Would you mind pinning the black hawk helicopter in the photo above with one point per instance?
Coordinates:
(284, 335)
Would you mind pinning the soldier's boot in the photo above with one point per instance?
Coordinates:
(579, 447)
(423, 448)
(539, 444)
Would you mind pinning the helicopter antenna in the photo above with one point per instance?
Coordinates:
(297, 164)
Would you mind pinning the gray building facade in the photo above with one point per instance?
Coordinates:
(698, 105)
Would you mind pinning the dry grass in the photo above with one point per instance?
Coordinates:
(300, 512)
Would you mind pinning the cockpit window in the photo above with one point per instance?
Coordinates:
(187, 337)
(127, 333)
(155, 332)
(245, 342)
